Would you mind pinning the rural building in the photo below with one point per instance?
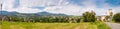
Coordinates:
(106, 16)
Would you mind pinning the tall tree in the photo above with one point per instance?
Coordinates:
(116, 17)
(89, 16)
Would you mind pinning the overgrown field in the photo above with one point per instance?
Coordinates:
(30, 25)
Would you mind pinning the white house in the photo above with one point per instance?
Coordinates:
(103, 17)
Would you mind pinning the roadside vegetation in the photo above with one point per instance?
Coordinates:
(86, 21)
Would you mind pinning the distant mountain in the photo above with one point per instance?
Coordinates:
(30, 14)
(49, 14)
(8, 13)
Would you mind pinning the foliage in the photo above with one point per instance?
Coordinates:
(86, 17)
(45, 19)
(116, 17)
(89, 17)
(102, 25)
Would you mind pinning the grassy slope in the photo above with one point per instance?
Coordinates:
(25, 25)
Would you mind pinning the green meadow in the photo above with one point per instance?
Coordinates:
(37, 25)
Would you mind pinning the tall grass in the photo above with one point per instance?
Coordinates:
(102, 25)
(30, 25)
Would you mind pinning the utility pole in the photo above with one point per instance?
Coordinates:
(1, 12)
(1, 9)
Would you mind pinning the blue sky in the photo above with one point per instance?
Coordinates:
(69, 7)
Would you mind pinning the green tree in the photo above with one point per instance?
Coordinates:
(89, 17)
(116, 17)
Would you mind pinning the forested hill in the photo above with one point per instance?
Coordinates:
(30, 14)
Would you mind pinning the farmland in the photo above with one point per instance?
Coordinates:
(38, 25)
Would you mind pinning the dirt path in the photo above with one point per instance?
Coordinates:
(113, 25)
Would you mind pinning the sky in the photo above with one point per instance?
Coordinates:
(69, 7)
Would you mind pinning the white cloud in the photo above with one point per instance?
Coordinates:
(8, 6)
(24, 10)
(58, 6)
(69, 9)
(1, 1)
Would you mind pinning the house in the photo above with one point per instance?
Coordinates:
(4, 18)
(102, 18)
(106, 16)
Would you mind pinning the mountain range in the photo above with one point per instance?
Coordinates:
(30, 14)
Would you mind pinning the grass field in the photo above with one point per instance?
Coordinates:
(26, 25)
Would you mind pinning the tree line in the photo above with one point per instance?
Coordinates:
(86, 17)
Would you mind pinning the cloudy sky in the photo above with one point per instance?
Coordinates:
(69, 7)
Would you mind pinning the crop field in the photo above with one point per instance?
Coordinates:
(37, 25)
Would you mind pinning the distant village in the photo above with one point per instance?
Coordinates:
(106, 16)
